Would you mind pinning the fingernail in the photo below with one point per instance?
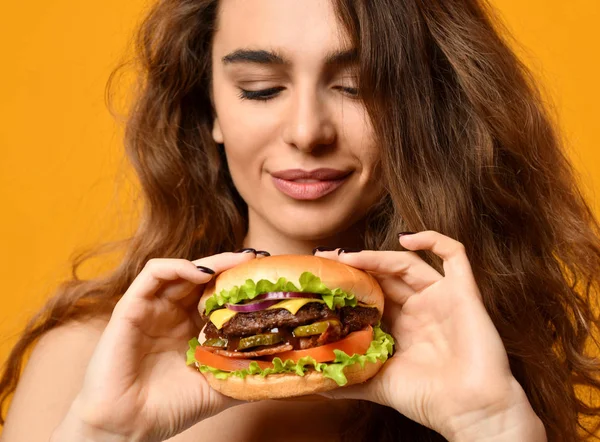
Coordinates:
(323, 249)
(246, 250)
(349, 251)
(206, 270)
(405, 233)
(263, 253)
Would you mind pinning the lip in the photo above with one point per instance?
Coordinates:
(322, 174)
(322, 182)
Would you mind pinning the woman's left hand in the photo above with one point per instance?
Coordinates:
(450, 370)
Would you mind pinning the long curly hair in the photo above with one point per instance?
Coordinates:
(469, 148)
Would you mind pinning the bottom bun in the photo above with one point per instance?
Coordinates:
(277, 386)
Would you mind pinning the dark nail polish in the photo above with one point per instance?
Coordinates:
(348, 251)
(206, 270)
(322, 249)
(405, 233)
(246, 250)
(263, 253)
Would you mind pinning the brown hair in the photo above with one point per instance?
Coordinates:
(469, 149)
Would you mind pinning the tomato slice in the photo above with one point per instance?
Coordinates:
(356, 342)
(224, 363)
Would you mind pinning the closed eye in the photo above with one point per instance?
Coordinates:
(272, 92)
(350, 91)
(261, 94)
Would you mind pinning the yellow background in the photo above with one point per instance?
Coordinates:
(61, 162)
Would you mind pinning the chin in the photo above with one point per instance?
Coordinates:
(313, 227)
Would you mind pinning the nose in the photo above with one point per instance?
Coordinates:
(309, 123)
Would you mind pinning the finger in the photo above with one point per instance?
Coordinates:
(218, 264)
(451, 251)
(214, 264)
(262, 254)
(181, 291)
(367, 391)
(192, 298)
(224, 261)
(394, 288)
(407, 265)
(356, 391)
(159, 271)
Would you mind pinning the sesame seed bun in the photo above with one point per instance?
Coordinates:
(285, 385)
(332, 273)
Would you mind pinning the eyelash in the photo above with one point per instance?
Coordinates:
(260, 95)
(272, 92)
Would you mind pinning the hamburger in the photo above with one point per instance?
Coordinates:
(289, 325)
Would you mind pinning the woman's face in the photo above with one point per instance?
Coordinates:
(284, 88)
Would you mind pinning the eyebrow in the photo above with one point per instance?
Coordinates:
(261, 56)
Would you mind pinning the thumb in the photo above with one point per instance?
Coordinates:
(371, 390)
(357, 391)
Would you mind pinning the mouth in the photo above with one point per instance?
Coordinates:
(309, 185)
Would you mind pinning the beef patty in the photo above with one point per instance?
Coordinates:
(253, 323)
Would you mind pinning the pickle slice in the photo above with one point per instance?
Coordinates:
(315, 328)
(215, 342)
(259, 340)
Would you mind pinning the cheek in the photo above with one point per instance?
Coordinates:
(244, 123)
(248, 123)
(246, 126)
(359, 136)
(247, 133)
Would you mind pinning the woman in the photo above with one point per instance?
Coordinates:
(433, 126)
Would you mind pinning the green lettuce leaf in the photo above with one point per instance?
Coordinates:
(308, 283)
(381, 348)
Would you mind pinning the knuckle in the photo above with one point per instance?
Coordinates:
(152, 264)
(458, 248)
(158, 266)
(402, 267)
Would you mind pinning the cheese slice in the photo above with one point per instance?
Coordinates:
(221, 316)
(293, 305)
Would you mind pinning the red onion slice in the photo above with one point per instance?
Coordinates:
(266, 300)
(251, 307)
(288, 295)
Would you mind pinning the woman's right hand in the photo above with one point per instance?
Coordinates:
(137, 385)
(450, 372)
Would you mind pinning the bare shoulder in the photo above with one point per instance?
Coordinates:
(64, 338)
(51, 380)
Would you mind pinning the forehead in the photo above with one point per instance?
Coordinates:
(296, 27)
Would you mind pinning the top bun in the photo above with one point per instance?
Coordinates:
(332, 273)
